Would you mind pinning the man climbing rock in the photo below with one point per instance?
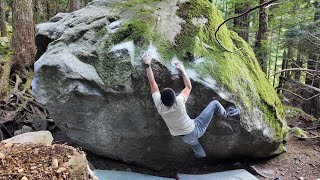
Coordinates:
(173, 111)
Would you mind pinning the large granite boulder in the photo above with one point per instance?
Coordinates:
(90, 77)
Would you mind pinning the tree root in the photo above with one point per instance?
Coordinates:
(19, 106)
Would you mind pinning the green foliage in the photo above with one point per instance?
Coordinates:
(5, 47)
(5, 72)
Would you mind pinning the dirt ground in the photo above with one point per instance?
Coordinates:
(39, 161)
(300, 162)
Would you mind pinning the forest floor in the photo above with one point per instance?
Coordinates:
(301, 161)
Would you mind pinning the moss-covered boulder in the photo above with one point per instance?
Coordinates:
(91, 78)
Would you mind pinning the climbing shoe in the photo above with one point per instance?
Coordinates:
(199, 151)
(233, 112)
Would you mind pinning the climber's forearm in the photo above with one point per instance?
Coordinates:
(186, 80)
(152, 81)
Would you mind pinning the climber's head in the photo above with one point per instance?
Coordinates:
(168, 96)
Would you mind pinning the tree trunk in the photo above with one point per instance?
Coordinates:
(283, 74)
(3, 28)
(23, 42)
(48, 9)
(57, 7)
(317, 13)
(5, 79)
(36, 11)
(74, 5)
(241, 24)
(262, 37)
(226, 9)
(277, 51)
(313, 63)
(270, 54)
(298, 64)
(289, 60)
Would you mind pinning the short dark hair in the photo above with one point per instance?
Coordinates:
(168, 96)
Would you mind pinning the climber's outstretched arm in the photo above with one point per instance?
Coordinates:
(152, 81)
(187, 83)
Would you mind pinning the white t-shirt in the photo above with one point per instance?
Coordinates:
(176, 117)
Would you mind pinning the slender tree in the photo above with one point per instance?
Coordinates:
(74, 5)
(57, 10)
(317, 13)
(241, 24)
(277, 51)
(282, 75)
(270, 55)
(262, 37)
(23, 43)
(48, 9)
(3, 28)
(298, 63)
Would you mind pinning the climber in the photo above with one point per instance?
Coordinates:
(173, 111)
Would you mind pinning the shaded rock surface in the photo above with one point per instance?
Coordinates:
(91, 78)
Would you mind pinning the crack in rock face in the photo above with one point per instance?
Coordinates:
(90, 76)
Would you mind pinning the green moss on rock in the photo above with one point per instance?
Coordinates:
(234, 70)
(165, 48)
(137, 30)
(298, 132)
(102, 32)
(113, 70)
(292, 112)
